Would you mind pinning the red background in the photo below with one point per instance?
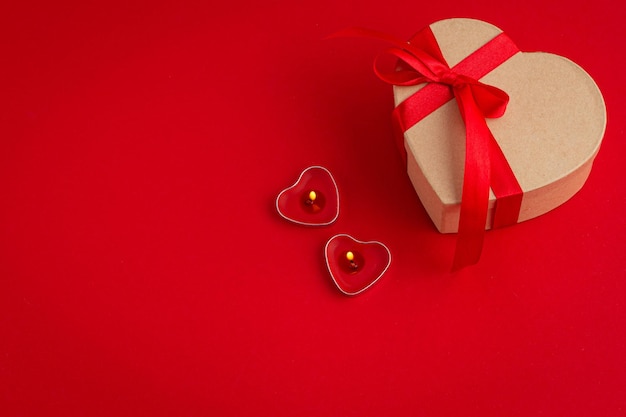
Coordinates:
(144, 271)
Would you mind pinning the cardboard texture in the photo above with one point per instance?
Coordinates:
(550, 133)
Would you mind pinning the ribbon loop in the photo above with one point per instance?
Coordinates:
(419, 67)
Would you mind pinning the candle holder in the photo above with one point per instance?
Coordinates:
(313, 200)
(355, 265)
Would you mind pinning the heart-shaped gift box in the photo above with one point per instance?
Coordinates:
(550, 133)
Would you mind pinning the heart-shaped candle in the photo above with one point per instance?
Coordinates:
(312, 201)
(355, 265)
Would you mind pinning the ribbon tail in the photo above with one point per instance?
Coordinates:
(477, 175)
(509, 193)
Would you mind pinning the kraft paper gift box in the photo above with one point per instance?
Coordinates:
(550, 132)
(534, 154)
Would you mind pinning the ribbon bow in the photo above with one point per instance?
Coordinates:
(421, 61)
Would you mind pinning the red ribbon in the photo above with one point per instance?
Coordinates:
(485, 165)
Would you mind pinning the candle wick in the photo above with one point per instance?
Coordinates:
(350, 258)
(312, 198)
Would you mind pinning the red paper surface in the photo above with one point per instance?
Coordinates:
(144, 270)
